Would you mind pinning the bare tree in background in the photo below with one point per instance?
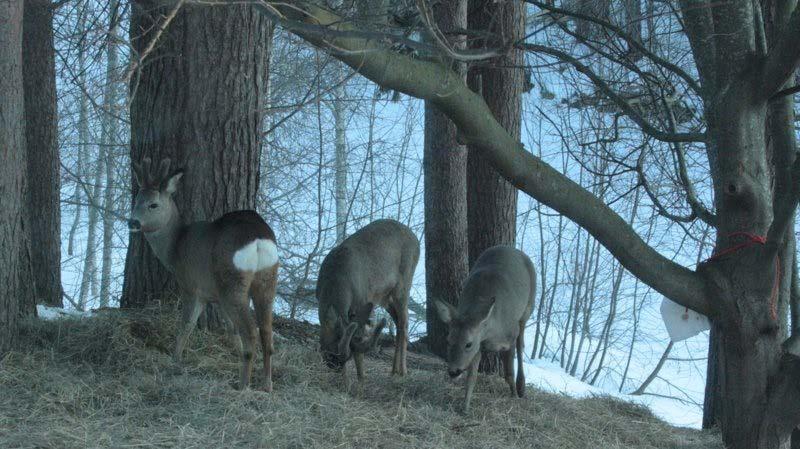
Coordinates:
(197, 98)
(43, 206)
(445, 169)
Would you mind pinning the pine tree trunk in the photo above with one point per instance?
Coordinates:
(199, 101)
(445, 170)
(41, 134)
(491, 200)
(12, 168)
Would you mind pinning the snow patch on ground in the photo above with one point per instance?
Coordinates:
(550, 377)
(55, 313)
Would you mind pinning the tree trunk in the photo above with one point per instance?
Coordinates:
(109, 134)
(41, 133)
(12, 168)
(748, 284)
(198, 99)
(340, 162)
(491, 200)
(445, 169)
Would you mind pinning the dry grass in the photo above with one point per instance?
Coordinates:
(109, 382)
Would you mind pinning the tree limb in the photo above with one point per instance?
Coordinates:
(699, 28)
(784, 395)
(784, 214)
(784, 58)
(436, 83)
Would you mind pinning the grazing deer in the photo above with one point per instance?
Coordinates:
(374, 266)
(495, 303)
(226, 260)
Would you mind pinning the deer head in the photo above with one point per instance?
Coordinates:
(355, 334)
(154, 207)
(466, 331)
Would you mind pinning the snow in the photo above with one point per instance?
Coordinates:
(549, 377)
(55, 313)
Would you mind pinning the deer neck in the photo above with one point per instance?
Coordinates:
(164, 241)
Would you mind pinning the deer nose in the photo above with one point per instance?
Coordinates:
(134, 225)
(454, 373)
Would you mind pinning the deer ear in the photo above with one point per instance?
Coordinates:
(489, 309)
(446, 311)
(172, 182)
(137, 174)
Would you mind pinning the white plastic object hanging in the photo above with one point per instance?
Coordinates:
(681, 322)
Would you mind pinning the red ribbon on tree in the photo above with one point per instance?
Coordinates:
(753, 239)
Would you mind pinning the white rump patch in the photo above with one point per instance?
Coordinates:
(682, 323)
(257, 255)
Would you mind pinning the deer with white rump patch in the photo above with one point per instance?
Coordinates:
(495, 303)
(374, 266)
(226, 261)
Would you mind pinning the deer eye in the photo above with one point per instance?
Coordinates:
(154, 206)
(468, 345)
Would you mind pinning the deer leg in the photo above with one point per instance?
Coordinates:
(358, 359)
(472, 376)
(520, 371)
(237, 308)
(395, 317)
(508, 366)
(191, 307)
(263, 292)
(401, 339)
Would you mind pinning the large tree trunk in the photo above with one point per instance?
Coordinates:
(12, 168)
(445, 169)
(749, 284)
(43, 187)
(198, 100)
(491, 200)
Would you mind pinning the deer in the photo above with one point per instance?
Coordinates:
(374, 266)
(226, 261)
(495, 303)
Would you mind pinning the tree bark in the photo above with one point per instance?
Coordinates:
(43, 169)
(109, 135)
(445, 168)
(12, 168)
(491, 200)
(198, 100)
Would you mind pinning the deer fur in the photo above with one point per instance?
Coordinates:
(227, 261)
(374, 266)
(495, 303)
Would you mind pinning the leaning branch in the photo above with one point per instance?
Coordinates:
(784, 58)
(783, 215)
(436, 83)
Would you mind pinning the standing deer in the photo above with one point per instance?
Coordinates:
(495, 303)
(226, 260)
(373, 266)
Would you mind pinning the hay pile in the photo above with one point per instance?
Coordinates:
(109, 382)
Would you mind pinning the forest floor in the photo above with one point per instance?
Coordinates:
(108, 381)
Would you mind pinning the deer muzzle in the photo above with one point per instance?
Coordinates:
(134, 225)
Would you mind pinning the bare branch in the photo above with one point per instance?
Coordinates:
(635, 43)
(623, 104)
(699, 27)
(784, 58)
(433, 81)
